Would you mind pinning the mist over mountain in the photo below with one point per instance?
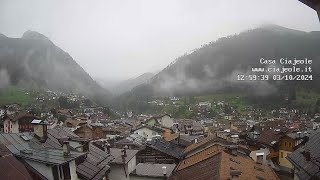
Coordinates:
(215, 66)
(131, 83)
(118, 87)
(34, 62)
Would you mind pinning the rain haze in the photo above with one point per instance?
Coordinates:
(123, 39)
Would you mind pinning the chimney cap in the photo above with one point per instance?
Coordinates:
(235, 172)
(164, 169)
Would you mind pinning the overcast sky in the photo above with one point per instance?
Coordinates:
(125, 38)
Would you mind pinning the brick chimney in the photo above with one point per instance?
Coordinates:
(40, 130)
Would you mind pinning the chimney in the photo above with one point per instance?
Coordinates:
(234, 173)
(124, 152)
(108, 148)
(164, 170)
(85, 146)
(233, 149)
(66, 148)
(40, 130)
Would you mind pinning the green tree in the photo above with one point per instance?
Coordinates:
(61, 117)
(63, 102)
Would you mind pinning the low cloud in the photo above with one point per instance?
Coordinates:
(4, 79)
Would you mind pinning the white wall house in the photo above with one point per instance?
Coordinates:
(47, 170)
(166, 121)
(147, 132)
(260, 156)
(10, 126)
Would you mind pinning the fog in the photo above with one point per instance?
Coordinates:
(121, 39)
(4, 79)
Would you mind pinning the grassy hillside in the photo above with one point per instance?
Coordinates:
(15, 95)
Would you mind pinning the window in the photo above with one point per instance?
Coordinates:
(290, 144)
(285, 144)
(281, 154)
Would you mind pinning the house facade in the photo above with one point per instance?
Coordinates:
(124, 163)
(18, 123)
(91, 132)
(166, 121)
(148, 131)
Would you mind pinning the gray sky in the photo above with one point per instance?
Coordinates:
(124, 38)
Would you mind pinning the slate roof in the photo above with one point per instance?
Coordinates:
(153, 170)
(96, 164)
(25, 146)
(116, 153)
(181, 142)
(129, 141)
(57, 135)
(166, 147)
(10, 167)
(308, 169)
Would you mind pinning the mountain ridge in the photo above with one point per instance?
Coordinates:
(34, 61)
(214, 66)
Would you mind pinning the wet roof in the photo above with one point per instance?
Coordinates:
(166, 147)
(116, 153)
(96, 164)
(10, 167)
(308, 169)
(29, 149)
(153, 170)
(211, 164)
